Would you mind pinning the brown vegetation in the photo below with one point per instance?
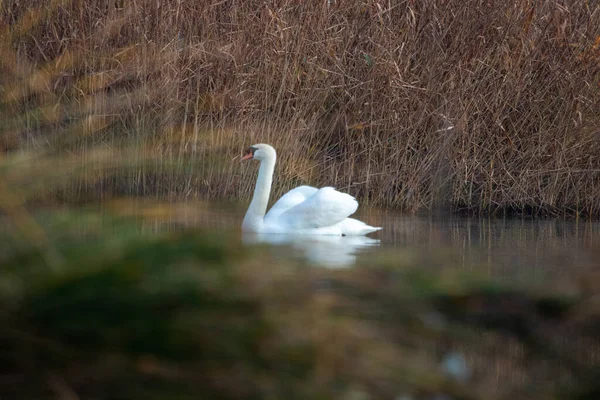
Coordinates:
(476, 105)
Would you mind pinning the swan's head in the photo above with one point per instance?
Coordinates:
(259, 152)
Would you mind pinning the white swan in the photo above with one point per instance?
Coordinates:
(304, 210)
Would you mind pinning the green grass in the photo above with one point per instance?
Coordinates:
(116, 314)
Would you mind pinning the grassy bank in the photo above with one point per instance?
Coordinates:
(466, 105)
(104, 311)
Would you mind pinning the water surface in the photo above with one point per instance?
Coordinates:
(523, 248)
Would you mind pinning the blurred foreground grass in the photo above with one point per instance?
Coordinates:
(102, 310)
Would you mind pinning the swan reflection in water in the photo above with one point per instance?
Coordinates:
(327, 251)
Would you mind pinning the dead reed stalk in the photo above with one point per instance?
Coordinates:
(483, 106)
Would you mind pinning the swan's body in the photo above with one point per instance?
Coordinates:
(304, 210)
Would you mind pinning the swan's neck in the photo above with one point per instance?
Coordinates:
(254, 218)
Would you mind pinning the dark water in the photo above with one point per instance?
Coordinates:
(525, 250)
(528, 249)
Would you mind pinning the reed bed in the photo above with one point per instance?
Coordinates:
(476, 106)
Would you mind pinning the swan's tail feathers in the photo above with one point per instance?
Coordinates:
(354, 227)
(368, 229)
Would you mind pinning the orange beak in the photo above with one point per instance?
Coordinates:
(248, 156)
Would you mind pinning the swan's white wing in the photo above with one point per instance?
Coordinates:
(290, 199)
(324, 208)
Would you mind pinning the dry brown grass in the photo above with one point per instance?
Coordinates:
(474, 105)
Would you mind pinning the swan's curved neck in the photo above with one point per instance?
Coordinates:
(258, 207)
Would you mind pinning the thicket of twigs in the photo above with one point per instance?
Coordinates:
(473, 105)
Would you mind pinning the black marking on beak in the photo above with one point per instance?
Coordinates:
(249, 153)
